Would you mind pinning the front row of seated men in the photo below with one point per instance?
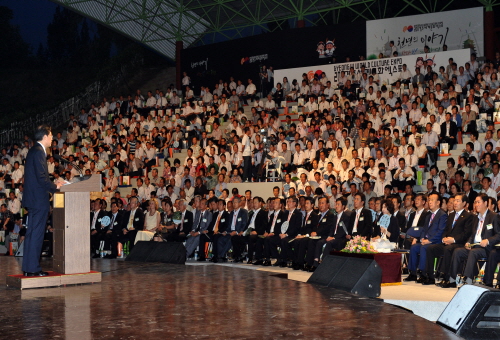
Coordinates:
(460, 238)
(304, 234)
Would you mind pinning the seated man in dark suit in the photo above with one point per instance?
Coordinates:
(7, 224)
(273, 230)
(233, 236)
(257, 224)
(400, 217)
(220, 219)
(415, 221)
(448, 131)
(337, 235)
(134, 221)
(112, 232)
(432, 233)
(186, 223)
(301, 242)
(202, 224)
(491, 266)
(362, 223)
(206, 235)
(470, 194)
(484, 236)
(322, 229)
(457, 232)
(294, 218)
(96, 229)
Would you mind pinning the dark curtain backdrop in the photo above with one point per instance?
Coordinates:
(284, 49)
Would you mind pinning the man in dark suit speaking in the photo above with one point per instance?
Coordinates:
(37, 187)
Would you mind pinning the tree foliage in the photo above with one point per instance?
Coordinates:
(14, 50)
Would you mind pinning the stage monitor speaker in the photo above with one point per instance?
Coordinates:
(358, 276)
(166, 252)
(473, 313)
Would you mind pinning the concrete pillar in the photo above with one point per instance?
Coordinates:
(179, 45)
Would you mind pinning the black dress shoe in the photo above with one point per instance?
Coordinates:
(267, 263)
(306, 268)
(258, 263)
(40, 273)
(238, 259)
(421, 279)
(441, 283)
(277, 263)
(283, 264)
(296, 266)
(429, 281)
(214, 259)
(448, 284)
(312, 269)
(249, 261)
(411, 277)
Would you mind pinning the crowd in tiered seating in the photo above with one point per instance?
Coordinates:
(351, 157)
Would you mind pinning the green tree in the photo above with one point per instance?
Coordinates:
(13, 49)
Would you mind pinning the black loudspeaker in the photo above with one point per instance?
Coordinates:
(166, 252)
(358, 276)
(473, 313)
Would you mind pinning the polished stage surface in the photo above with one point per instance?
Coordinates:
(166, 301)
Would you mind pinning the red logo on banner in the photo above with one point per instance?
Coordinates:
(408, 28)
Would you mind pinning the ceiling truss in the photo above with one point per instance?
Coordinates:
(158, 24)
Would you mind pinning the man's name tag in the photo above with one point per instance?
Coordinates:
(278, 221)
(416, 228)
(361, 218)
(489, 226)
(324, 220)
(205, 220)
(239, 219)
(308, 222)
(223, 220)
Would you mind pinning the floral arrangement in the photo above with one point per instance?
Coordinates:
(176, 217)
(359, 245)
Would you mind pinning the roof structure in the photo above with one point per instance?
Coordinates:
(158, 24)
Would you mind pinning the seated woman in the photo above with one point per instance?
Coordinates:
(167, 226)
(151, 222)
(235, 178)
(390, 229)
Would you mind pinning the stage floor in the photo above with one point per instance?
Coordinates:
(158, 301)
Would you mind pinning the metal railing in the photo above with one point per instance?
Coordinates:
(60, 114)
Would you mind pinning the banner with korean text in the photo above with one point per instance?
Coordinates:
(457, 29)
(387, 69)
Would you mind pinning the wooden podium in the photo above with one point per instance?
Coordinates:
(71, 218)
(71, 222)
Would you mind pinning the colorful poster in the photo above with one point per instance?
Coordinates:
(457, 29)
(387, 69)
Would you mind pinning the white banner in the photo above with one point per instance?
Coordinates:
(457, 29)
(388, 69)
